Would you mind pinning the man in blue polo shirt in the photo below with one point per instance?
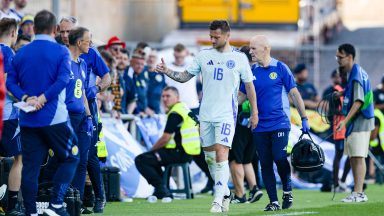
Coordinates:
(96, 67)
(40, 72)
(10, 145)
(273, 82)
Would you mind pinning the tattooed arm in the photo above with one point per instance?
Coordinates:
(175, 75)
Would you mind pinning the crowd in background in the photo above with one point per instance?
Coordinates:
(136, 88)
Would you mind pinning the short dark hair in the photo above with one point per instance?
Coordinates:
(348, 49)
(179, 47)
(299, 68)
(220, 24)
(171, 88)
(335, 73)
(76, 34)
(124, 51)
(6, 26)
(107, 57)
(245, 50)
(23, 37)
(142, 45)
(45, 22)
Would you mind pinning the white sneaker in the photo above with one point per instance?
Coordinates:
(152, 199)
(362, 197)
(355, 197)
(3, 190)
(166, 200)
(216, 208)
(226, 201)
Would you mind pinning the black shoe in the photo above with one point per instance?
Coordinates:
(99, 205)
(14, 212)
(274, 206)
(162, 192)
(255, 194)
(287, 200)
(51, 211)
(237, 199)
(84, 210)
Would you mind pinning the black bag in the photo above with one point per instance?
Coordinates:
(72, 201)
(306, 155)
(111, 179)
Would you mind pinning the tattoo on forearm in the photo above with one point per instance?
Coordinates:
(179, 76)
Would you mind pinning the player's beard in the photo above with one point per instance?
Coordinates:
(220, 46)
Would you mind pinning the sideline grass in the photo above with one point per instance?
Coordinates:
(305, 203)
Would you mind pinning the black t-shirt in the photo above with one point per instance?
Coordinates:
(378, 97)
(173, 125)
(307, 91)
(377, 150)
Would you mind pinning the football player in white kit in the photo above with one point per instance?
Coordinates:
(222, 67)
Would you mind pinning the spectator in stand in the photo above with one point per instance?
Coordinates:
(307, 90)
(188, 92)
(19, 8)
(114, 46)
(26, 26)
(156, 83)
(105, 99)
(6, 12)
(21, 41)
(140, 80)
(378, 96)
(130, 95)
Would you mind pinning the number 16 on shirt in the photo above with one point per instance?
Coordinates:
(218, 74)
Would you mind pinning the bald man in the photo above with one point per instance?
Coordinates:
(274, 82)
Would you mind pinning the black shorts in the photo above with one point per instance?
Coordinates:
(10, 144)
(243, 149)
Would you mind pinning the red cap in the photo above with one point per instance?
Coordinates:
(114, 40)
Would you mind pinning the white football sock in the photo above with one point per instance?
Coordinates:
(221, 181)
(210, 158)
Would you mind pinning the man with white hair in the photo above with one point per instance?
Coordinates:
(96, 67)
(274, 82)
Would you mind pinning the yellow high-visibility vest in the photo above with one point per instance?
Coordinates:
(375, 142)
(190, 139)
(102, 151)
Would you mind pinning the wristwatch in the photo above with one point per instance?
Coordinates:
(98, 88)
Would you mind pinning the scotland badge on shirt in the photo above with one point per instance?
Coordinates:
(231, 64)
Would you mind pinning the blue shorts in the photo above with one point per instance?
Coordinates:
(272, 145)
(10, 144)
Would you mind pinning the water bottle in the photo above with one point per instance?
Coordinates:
(78, 202)
(69, 200)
